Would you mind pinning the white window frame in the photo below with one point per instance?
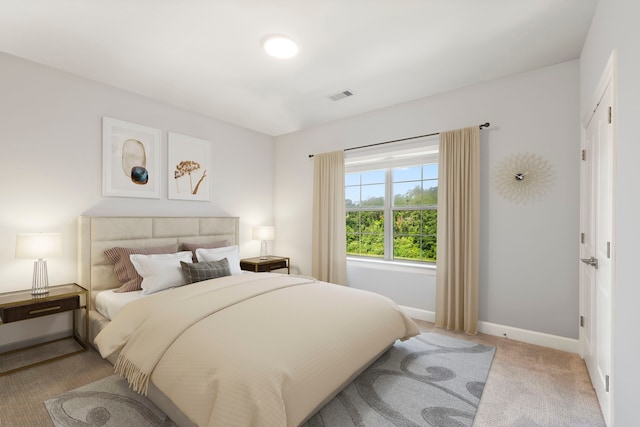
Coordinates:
(419, 152)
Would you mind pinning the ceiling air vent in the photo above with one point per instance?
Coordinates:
(341, 95)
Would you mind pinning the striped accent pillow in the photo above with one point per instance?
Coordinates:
(123, 268)
(199, 271)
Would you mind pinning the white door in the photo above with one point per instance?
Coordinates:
(597, 248)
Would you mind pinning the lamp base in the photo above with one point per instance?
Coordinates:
(40, 283)
(263, 250)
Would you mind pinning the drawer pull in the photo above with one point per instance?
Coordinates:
(44, 310)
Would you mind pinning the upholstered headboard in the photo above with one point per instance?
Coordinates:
(96, 234)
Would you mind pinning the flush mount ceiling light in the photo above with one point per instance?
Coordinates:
(279, 46)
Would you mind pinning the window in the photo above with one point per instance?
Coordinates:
(391, 206)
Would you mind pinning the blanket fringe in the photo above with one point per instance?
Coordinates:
(138, 380)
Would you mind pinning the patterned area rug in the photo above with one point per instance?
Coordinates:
(108, 402)
(429, 380)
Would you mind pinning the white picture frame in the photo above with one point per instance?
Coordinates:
(189, 168)
(134, 147)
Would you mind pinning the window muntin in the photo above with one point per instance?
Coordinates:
(365, 200)
(365, 233)
(400, 226)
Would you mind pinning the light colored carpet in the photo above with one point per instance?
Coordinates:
(532, 386)
(22, 393)
(19, 358)
(557, 390)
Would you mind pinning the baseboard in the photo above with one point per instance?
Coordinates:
(531, 337)
(416, 313)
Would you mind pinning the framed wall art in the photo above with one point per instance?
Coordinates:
(189, 166)
(130, 159)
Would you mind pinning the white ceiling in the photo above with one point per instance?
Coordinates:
(206, 56)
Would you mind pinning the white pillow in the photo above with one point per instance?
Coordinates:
(160, 271)
(216, 254)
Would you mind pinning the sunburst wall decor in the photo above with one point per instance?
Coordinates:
(523, 177)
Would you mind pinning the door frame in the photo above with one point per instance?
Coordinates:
(609, 77)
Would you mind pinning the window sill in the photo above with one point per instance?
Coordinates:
(381, 264)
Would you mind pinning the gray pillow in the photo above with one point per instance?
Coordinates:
(199, 271)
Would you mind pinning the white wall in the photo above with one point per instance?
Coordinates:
(50, 136)
(615, 26)
(529, 253)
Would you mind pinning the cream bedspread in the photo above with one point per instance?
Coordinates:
(251, 350)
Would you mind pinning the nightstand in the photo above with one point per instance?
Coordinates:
(258, 264)
(22, 305)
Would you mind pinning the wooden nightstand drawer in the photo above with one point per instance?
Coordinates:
(265, 267)
(37, 309)
(279, 264)
(258, 265)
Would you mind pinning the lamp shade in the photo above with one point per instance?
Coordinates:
(38, 245)
(265, 232)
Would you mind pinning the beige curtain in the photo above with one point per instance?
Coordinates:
(329, 246)
(457, 273)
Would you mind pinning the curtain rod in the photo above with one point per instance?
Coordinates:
(484, 125)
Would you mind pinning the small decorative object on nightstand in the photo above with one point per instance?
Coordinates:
(258, 264)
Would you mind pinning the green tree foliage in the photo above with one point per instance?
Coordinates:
(414, 230)
(417, 197)
(414, 234)
(365, 233)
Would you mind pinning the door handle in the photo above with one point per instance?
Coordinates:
(590, 261)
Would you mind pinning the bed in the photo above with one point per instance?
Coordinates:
(261, 349)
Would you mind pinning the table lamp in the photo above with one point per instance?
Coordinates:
(264, 233)
(38, 246)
